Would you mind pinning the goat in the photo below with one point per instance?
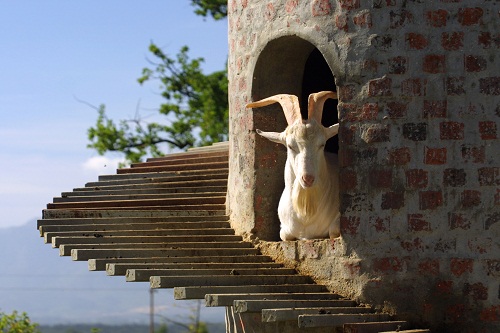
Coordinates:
(309, 205)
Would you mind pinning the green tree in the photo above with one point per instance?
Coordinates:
(17, 323)
(195, 108)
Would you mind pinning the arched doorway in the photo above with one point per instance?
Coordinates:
(293, 65)
(286, 65)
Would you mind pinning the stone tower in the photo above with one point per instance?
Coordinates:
(419, 110)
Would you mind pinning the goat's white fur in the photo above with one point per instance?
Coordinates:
(309, 204)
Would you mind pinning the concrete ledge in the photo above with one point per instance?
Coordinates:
(259, 305)
(276, 315)
(225, 280)
(228, 299)
(338, 320)
(200, 291)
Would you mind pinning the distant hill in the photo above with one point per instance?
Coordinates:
(57, 290)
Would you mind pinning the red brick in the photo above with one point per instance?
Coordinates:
(363, 20)
(349, 225)
(399, 156)
(396, 109)
(392, 200)
(434, 63)
(380, 224)
(488, 130)
(413, 245)
(490, 85)
(455, 313)
(460, 266)
(417, 178)
(452, 41)
(473, 154)
(455, 86)
(470, 198)
(486, 40)
(489, 176)
(451, 130)
(430, 199)
(348, 112)
(346, 134)
(458, 221)
(398, 65)
(435, 156)
(349, 4)
(429, 266)
(444, 287)
(376, 133)
(380, 87)
(454, 177)
(321, 7)
(342, 22)
(346, 92)
(369, 111)
(478, 291)
(437, 18)
(491, 314)
(435, 109)
(413, 87)
(370, 65)
(348, 180)
(380, 178)
(291, 5)
(475, 63)
(389, 265)
(470, 16)
(416, 41)
(416, 222)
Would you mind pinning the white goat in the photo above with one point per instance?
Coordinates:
(309, 205)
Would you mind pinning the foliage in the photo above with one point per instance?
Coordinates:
(216, 8)
(17, 323)
(196, 107)
(126, 328)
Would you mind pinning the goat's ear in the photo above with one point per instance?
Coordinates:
(273, 136)
(332, 131)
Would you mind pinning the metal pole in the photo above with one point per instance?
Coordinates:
(151, 311)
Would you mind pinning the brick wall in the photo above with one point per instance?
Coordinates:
(419, 108)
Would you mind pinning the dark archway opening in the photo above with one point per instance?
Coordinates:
(319, 77)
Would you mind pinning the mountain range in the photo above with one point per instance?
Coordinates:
(56, 290)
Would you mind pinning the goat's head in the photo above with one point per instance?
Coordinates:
(304, 139)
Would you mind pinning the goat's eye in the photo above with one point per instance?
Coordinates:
(291, 148)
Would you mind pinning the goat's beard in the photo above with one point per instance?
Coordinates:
(305, 201)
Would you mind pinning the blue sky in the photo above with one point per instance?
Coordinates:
(54, 52)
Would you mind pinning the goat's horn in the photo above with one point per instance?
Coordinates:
(316, 102)
(289, 103)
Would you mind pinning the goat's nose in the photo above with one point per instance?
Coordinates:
(308, 179)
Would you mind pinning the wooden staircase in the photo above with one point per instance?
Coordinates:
(164, 222)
